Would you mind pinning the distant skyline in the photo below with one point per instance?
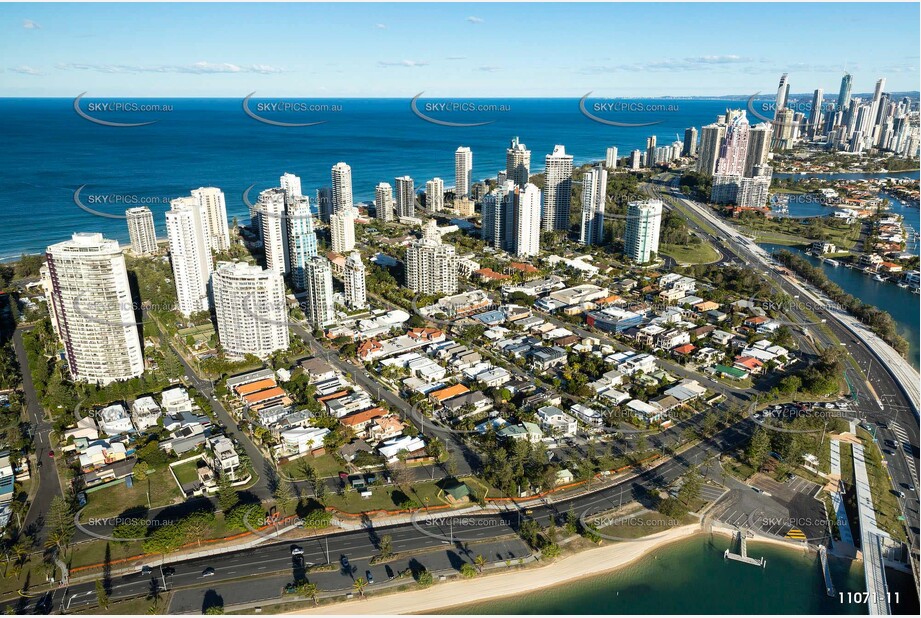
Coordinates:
(453, 50)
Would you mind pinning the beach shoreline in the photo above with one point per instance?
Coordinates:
(588, 563)
(581, 565)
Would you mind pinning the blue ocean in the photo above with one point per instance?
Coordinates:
(50, 150)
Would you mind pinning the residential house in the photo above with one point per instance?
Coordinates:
(556, 422)
(115, 420)
(145, 413)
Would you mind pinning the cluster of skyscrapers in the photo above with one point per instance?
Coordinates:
(852, 124)
(735, 154)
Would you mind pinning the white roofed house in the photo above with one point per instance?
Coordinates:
(303, 439)
(391, 448)
(222, 456)
(556, 422)
(114, 420)
(145, 413)
(588, 415)
(176, 400)
(638, 362)
(648, 412)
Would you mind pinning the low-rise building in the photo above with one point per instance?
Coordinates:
(556, 422)
(115, 420)
(221, 455)
(145, 413)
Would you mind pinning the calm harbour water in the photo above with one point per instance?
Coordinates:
(691, 577)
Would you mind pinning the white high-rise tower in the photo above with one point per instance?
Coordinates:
(251, 311)
(557, 188)
(383, 201)
(435, 195)
(291, 184)
(517, 163)
(89, 299)
(463, 172)
(405, 197)
(302, 239)
(214, 216)
(319, 309)
(190, 254)
(342, 231)
(272, 212)
(594, 193)
(527, 219)
(141, 230)
(431, 266)
(342, 188)
(356, 295)
(641, 237)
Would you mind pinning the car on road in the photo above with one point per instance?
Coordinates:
(899, 493)
(369, 577)
(51, 454)
(168, 570)
(207, 572)
(757, 490)
(146, 570)
(297, 551)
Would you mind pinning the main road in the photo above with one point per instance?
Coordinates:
(890, 381)
(250, 567)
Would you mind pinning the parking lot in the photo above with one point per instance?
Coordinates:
(781, 510)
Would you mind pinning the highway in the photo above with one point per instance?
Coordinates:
(889, 402)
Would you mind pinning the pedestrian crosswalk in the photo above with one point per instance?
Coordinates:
(905, 446)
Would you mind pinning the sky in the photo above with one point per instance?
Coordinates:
(452, 50)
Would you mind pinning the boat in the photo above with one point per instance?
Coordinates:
(834, 263)
(849, 265)
(878, 277)
(903, 285)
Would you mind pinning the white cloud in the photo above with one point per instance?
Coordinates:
(456, 58)
(475, 20)
(697, 63)
(196, 68)
(25, 70)
(403, 63)
(489, 69)
(380, 26)
(28, 24)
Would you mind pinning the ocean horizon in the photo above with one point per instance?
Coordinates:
(52, 150)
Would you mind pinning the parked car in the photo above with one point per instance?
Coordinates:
(146, 570)
(369, 577)
(345, 562)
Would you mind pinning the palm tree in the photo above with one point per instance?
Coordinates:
(359, 585)
(311, 591)
(480, 562)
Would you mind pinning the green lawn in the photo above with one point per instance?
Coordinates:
(325, 465)
(114, 500)
(382, 498)
(187, 472)
(701, 253)
(94, 552)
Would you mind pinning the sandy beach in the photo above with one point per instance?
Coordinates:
(458, 592)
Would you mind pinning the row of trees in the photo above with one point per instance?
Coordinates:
(878, 320)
